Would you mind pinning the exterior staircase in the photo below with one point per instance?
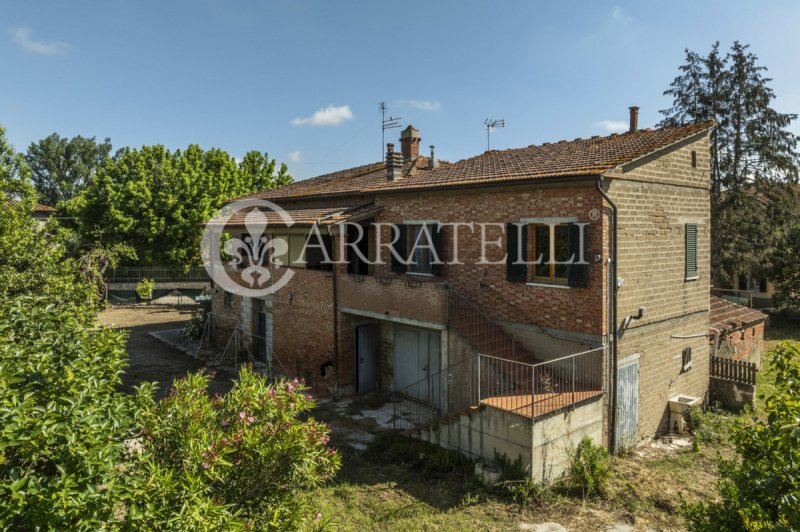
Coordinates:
(482, 333)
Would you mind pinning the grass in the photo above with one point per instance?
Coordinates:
(402, 484)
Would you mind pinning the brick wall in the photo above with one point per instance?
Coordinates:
(656, 199)
(743, 344)
(572, 309)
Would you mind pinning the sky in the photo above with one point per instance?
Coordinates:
(302, 80)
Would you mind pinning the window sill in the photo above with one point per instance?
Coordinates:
(548, 285)
(688, 279)
(420, 274)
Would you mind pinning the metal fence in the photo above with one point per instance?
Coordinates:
(158, 274)
(533, 390)
(528, 390)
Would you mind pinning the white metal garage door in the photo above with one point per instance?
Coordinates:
(416, 357)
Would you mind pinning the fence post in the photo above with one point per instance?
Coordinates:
(573, 382)
(479, 379)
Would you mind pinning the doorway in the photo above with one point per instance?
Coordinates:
(366, 357)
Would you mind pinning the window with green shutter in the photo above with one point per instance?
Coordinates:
(691, 251)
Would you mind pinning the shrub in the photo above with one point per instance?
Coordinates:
(589, 469)
(241, 460)
(760, 488)
(144, 289)
(709, 426)
(194, 329)
(63, 425)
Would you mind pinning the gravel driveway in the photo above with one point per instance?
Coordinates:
(151, 359)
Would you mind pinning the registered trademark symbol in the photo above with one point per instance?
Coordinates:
(594, 214)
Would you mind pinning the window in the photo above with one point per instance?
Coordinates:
(227, 300)
(691, 252)
(414, 243)
(549, 245)
(686, 359)
(550, 241)
(420, 253)
(294, 252)
(694, 159)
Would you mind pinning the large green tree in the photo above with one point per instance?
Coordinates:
(753, 156)
(155, 200)
(62, 166)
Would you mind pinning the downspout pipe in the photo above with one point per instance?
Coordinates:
(613, 296)
(335, 314)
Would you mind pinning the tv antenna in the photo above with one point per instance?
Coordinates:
(387, 123)
(491, 124)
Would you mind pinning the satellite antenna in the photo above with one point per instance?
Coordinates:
(387, 123)
(491, 124)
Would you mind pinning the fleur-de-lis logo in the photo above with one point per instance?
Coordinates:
(249, 253)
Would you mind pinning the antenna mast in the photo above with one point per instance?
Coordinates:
(387, 123)
(490, 125)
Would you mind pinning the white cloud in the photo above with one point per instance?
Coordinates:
(295, 156)
(612, 126)
(425, 105)
(619, 15)
(22, 37)
(330, 116)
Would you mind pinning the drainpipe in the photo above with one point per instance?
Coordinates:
(335, 318)
(612, 311)
(717, 334)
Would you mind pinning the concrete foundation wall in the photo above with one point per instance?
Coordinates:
(733, 396)
(544, 447)
(483, 433)
(557, 436)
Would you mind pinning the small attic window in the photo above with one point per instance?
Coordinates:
(694, 159)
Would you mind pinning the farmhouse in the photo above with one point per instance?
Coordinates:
(579, 303)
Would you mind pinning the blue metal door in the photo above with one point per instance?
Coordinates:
(627, 422)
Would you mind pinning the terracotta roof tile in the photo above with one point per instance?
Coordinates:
(301, 215)
(579, 157)
(726, 315)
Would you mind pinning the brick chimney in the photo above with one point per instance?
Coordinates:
(634, 118)
(409, 143)
(394, 164)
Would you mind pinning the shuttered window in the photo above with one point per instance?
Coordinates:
(691, 251)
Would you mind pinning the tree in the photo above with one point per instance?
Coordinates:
(259, 172)
(753, 155)
(155, 200)
(760, 488)
(61, 167)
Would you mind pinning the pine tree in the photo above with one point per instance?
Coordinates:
(754, 159)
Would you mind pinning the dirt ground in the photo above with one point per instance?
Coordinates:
(151, 359)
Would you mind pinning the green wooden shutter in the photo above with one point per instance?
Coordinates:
(401, 248)
(437, 240)
(691, 251)
(578, 274)
(516, 251)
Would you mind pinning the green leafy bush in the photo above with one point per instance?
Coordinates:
(589, 469)
(760, 488)
(244, 460)
(144, 289)
(515, 482)
(709, 426)
(63, 425)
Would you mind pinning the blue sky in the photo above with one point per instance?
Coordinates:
(302, 80)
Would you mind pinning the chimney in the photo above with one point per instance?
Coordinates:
(634, 118)
(409, 143)
(432, 162)
(394, 164)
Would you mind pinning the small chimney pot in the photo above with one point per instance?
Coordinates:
(634, 118)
